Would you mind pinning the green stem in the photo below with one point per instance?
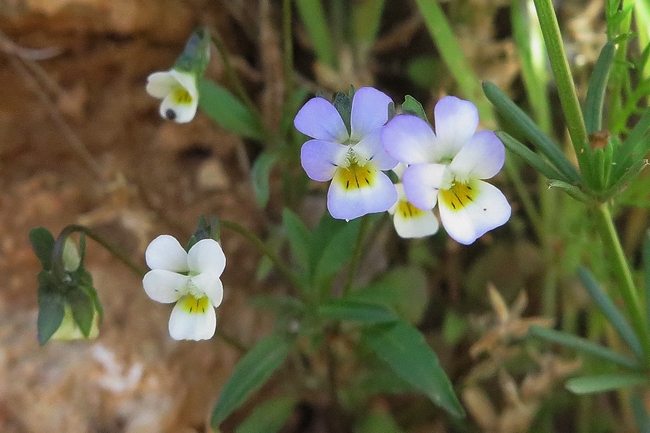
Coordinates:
(57, 252)
(562, 73)
(623, 274)
(356, 255)
(264, 249)
(526, 200)
(232, 341)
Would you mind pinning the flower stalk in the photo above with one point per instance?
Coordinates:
(621, 268)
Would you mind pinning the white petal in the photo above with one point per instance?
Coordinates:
(165, 252)
(320, 159)
(421, 183)
(409, 139)
(369, 112)
(160, 84)
(482, 157)
(348, 204)
(164, 286)
(184, 325)
(370, 149)
(206, 256)
(179, 113)
(210, 284)
(319, 119)
(456, 121)
(187, 81)
(418, 226)
(489, 209)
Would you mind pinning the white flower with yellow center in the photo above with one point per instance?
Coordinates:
(409, 220)
(449, 167)
(353, 159)
(179, 94)
(191, 279)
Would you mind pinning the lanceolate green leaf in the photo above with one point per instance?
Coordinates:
(298, 236)
(404, 349)
(513, 145)
(268, 417)
(260, 175)
(42, 243)
(605, 382)
(597, 87)
(252, 371)
(227, 111)
(610, 311)
(313, 15)
(584, 345)
(356, 311)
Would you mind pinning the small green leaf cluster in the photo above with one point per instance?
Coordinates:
(69, 307)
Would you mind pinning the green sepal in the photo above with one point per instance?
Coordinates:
(597, 86)
(536, 161)
(51, 309)
(343, 104)
(250, 373)
(83, 309)
(196, 54)
(42, 243)
(404, 349)
(412, 106)
(544, 144)
(604, 383)
(205, 230)
(614, 316)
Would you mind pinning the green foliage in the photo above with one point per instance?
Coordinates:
(196, 55)
(313, 15)
(42, 243)
(228, 112)
(413, 106)
(250, 373)
(343, 104)
(51, 308)
(604, 383)
(355, 311)
(260, 175)
(404, 349)
(377, 422)
(268, 417)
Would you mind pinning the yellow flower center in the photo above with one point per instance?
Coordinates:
(194, 305)
(458, 196)
(407, 210)
(355, 176)
(180, 96)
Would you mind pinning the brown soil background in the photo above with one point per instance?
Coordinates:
(153, 177)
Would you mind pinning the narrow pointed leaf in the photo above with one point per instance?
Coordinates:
(298, 236)
(355, 311)
(584, 345)
(539, 163)
(604, 383)
(268, 417)
(260, 176)
(227, 111)
(313, 15)
(610, 311)
(404, 349)
(544, 144)
(250, 373)
(83, 309)
(51, 309)
(572, 190)
(640, 412)
(597, 87)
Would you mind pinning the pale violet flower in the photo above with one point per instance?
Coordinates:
(191, 279)
(179, 94)
(353, 159)
(449, 167)
(409, 220)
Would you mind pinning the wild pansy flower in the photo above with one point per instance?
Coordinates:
(191, 279)
(448, 167)
(179, 94)
(353, 159)
(409, 220)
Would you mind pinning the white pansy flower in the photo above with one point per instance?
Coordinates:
(191, 279)
(179, 94)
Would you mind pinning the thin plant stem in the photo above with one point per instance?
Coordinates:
(526, 199)
(57, 252)
(623, 274)
(288, 49)
(264, 249)
(356, 255)
(232, 341)
(562, 73)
